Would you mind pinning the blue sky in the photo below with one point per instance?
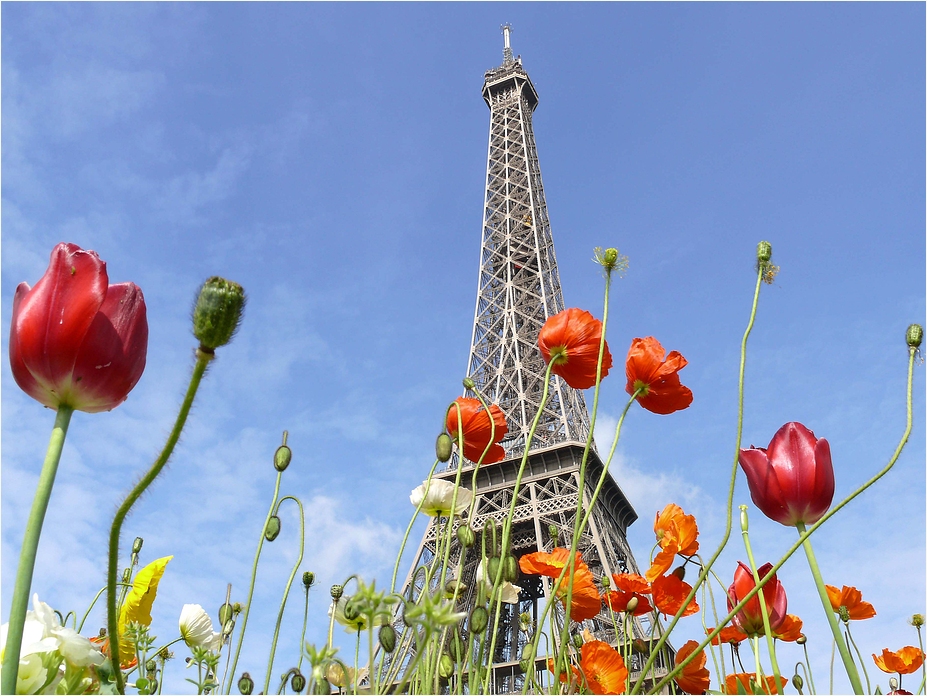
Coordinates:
(331, 159)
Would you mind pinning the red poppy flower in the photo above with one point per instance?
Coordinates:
(728, 634)
(852, 599)
(789, 630)
(669, 592)
(76, 340)
(750, 618)
(603, 668)
(747, 682)
(694, 678)
(657, 378)
(628, 585)
(905, 661)
(477, 429)
(570, 339)
(792, 480)
(586, 601)
(677, 533)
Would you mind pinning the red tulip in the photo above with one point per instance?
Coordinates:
(793, 480)
(76, 340)
(750, 618)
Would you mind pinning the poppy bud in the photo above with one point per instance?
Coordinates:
(387, 638)
(577, 641)
(308, 579)
(245, 684)
(443, 447)
(640, 646)
(217, 313)
(605, 582)
(298, 682)
(527, 653)
(137, 545)
(351, 610)
(445, 666)
(494, 565)
(272, 530)
(917, 620)
(915, 335)
(632, 605)
(126, 574)
(225, 613)
(465, 536)
(151, 666)
(554, 533)
(763, 252)
(152, 686)
(468, 383)
(802, 639)
(680, 572)
(510, 569)
(798, 682)
(336, 592)
(479, 618)
(321, 686)
(456, 648)
(744, 523)
(282, 457)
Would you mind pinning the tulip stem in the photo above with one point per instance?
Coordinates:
(842, 648)
(203, 358)
(30, 548)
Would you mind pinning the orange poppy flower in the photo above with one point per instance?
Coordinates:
(478, 430)
(728, 634)
(657, 378)
(789, 630)
(747, 681)
(577, 677)
(677, 533)
(603, 668)
(570, 340)
(586, 601)
(905, 661)
(618, 601)
(102, 643)
(852, 599)
(631, 582)
(694, 678)
(669, 592)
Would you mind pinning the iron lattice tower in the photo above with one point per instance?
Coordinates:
(519, 288)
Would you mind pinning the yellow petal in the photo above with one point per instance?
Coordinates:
(137, 606)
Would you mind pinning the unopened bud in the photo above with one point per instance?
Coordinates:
(640, 646)
(479, 618)
(744, 523)
(298, 682)
(351, 610)
(510, 569)
(321, 686)
(272, 530)
(893, 683)
(336, 592)
(225, 613)
(632, 605)
(577, 641)
(126, 574)
(217, 313)
(308, 579)
(802, 639)
(151, 666)
(137, 545)
(554, 533)
(798, 682)
(465, 536)
(387, 638)
(917, 620)
(282, 457)
(680, 572)
(915, 335)
(446, 666)
(245, 684)
(443, 446)
(468, 383)
(605, 582)
(453, 588)
(763, 252)
(456, 648)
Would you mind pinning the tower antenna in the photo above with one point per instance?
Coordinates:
(507, 58)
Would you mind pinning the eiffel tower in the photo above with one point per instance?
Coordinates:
(519, 288)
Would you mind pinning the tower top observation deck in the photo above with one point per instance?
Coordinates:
(508, 77)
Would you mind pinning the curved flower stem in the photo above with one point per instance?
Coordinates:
(920, 642)
(862, 663)
(79, 627)
(761, 269)
(302, 640)
(807, 665)
(912, 352)
(27, 554)
(842, 648)
(833, 651)
(405, 539)
(203, 358)
(289, 584)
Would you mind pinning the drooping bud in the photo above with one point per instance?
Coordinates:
(577, 641)
(915, 335)
(272, 530)
(151, 666)
(456, 648)
(445, 666)
(454, 587)
(510, 569)
(308, 579)
(465, 536)
(493, 567)
(245, 684)
(468, 383)
(680, 572)
(763, 252)
(321, 686)
(802, 639)
(640, 646)
(798, 682)
(336, 592)
(387, 638)
(443, 447)
(298, 682)
(137, 545)
(225, 613)
(217, 313)
(479, 618)
(282, 457)
(632, 605)
(351, 610)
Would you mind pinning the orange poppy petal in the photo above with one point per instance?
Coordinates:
(768, 686)
(631, 582)
(789, 630)
(728, 634)
(905, 661)
(645, 367)
(603, 668)
(479, 429)
(661, 563)
(852, 599)
(669, 592)
(694, 678)
(571, 340)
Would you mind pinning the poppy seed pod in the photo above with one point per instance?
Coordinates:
(915, 335)
(610, 257)
(917, 620)
(479, 618)
(554, 534)
(298, 682)
(217, 312)
(245, 684)
(308, 579)
(443, 447)
(272, 530)
(282, 457)
(465, 536)
(387, 638)
(763, 252)
(577, 641)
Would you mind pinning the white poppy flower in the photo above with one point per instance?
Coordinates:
(508, 590)
(437, 501)
(31, 675)
(196, 628)
(76, 649)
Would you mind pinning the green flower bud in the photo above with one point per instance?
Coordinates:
(152, 686)
(915, 335)
(443, 447)
(282, 457)
(632, 605)
(802, 639)
(336, 592)
(445, 666)
(465, 536)
(387, 638)
(298, 682)
(468, 383)
(680, 572)
(151, 666)
(493, 568)
(605, 582)
(237, 607)
(554, 533)
(798, 682)
(272, 530)
(577, 641)
(351, 610)
(137, 545)
(321, 686)
(763, 252)
(456, 648)
(640, 646)
(217, 313)
(127, 574)
(245, 684)
(225, 613)
(510, 569)
(308, 579)
(479, 618)
(917, 620)
(527, 652)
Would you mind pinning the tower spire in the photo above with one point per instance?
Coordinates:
(507, 58)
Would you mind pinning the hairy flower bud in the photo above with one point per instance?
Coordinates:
(272, 530)
(479, 618)
(844, 614)
(217, 313)
(245, 684)
(308, 579)
(126, 574)
(763, 252)
(468, 383)
(554, 533)
(605, 582)
(443, 446)
(798, 682)
(298, 682)
(915, 335)
(137, 545)
(336, 591)
(465, 536)
(387, 638)
(577, 641)
(282, 457)
(151, 666)
(493, 567)
(510, 569)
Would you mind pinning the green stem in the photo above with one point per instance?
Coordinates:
(807, 664)
(833, 652)
(862, 663)
(289, 584)
(842, 648)
(30, 547)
